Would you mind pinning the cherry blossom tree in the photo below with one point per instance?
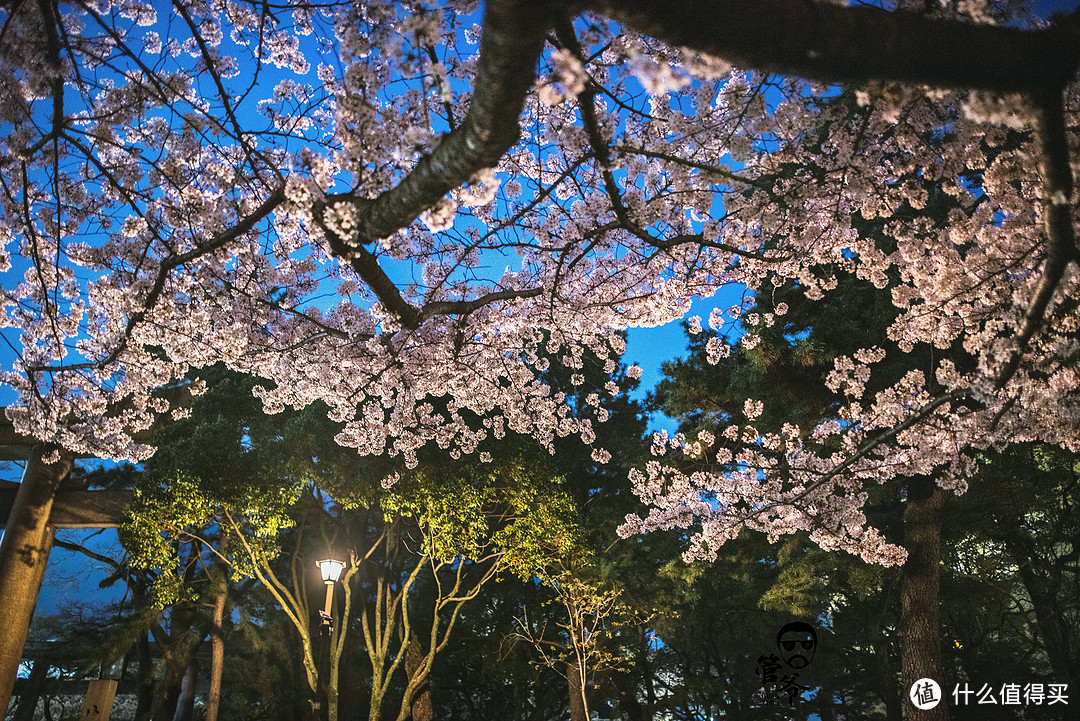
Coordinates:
(951, 236)
(375, 204)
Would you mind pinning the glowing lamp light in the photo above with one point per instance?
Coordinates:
(330, 570)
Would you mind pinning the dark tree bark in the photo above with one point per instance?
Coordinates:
(145, 688)
(797, 37)
(823, 41)
(513, 36)
(176, 655)
(920, 625)
(422, 710)
(28, 699)
(217, 635)
(145, 684)
(217, 652)
(24, 553)
(168, 693)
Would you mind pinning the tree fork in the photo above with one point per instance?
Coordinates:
(513, 36)
(814, 40)
(24, 552)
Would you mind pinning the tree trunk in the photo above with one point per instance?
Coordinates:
(579, 710)
(28, 699)
(217, 643)
(145, 693)
(422, 709)
(920, 626)
(168, 691)
(185, 706)
(217, 659)
(24, 552)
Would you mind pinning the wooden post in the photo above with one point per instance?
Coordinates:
(99, 700)
(24, 552)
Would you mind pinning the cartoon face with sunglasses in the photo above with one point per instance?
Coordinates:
(797, 641)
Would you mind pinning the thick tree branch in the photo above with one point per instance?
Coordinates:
(802, 37)
(823, 41)
(509, 49)
(1052, 153)
(77, 548)
(513, 36)
(463, 307)
(367, 266)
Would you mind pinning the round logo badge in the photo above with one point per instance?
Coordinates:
(925, 694)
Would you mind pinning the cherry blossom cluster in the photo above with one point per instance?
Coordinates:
(194, 187)
(934, 198)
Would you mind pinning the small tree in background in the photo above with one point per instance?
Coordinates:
(418, 548)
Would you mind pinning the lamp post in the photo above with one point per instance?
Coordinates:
(331, 572)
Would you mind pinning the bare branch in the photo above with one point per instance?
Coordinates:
(218, 241)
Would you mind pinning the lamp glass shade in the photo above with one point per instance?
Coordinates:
(330, 570)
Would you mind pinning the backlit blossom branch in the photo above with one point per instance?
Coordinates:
(409, 212)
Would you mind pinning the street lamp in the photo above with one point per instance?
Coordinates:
(331, 572)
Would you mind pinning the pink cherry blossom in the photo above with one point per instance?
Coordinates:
(409, 228)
